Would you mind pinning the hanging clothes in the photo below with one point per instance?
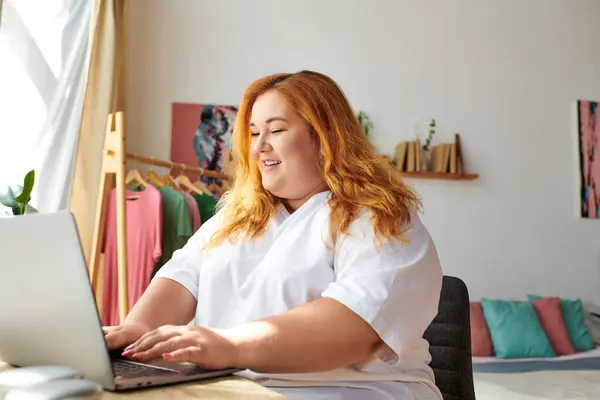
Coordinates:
(206, 205)
(144, 237)
(196, 220)
(177, 224)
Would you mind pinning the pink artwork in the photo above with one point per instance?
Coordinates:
(200, 134)
(589, 132)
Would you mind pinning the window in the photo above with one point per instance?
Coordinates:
(43, 71)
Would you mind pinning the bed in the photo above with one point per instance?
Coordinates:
(574, 377)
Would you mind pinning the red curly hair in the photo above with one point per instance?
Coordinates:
(354, 173)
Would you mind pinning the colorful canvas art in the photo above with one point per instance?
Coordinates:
(200, 135)
(589, 132)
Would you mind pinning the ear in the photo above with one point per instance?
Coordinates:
(321, 159)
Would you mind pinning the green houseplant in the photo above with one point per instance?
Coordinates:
(365, 122)
(427, 153)
(17, 196)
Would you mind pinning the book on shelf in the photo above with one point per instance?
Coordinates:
(444, 158)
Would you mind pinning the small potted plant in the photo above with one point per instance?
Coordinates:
(365, 122)
(17, 196)
(426, 154)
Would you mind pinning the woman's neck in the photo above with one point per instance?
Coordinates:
(291, 205)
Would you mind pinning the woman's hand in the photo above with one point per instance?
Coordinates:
(207, 348)
(117, 337)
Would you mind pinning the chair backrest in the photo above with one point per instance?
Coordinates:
(449, 337)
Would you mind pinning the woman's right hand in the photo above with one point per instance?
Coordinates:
(121, 336)
(165, 302)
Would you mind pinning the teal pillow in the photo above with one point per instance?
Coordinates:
(573, 316)
(515, 329)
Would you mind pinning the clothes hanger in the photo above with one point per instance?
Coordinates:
(153, 178)
(205, 189)
(164, 180)
(184, 181)
(135, 176)
(167, 179)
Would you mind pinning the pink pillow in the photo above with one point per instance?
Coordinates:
(481, 342)
(550, 315)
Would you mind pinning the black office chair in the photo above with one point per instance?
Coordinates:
(449, 336)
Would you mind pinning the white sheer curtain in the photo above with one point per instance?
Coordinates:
(44, 61)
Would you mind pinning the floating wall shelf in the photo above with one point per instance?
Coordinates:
(445, 161)
(441, 176)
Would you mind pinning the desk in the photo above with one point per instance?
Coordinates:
(230, 387)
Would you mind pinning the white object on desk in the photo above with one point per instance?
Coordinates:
(61, 389)
(27, 376)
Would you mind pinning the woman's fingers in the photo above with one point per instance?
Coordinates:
(121, 336)
(185, 354)
(115, 339)
(142, 341)
(109, 329)
(203, 347)
(160, 348)
(150, 339)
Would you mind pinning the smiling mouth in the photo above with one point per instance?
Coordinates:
(270, 163)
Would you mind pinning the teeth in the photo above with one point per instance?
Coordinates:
(272, 162)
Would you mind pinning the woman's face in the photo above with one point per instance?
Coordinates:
(285, 152)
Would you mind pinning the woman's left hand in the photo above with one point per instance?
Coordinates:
(207, 348)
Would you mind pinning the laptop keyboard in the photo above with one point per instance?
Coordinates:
(125, 369)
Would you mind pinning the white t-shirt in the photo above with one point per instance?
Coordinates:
(395, 288)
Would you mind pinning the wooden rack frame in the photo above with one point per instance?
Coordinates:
(114, 163)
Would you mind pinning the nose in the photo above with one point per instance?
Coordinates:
(261, 143)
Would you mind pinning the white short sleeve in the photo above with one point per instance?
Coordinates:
(394, 287)
(184, 266)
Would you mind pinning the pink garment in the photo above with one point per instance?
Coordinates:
(194, 211)
(144, 232)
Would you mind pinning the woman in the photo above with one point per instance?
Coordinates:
(316, 275)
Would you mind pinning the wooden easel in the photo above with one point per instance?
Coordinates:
(113, 163)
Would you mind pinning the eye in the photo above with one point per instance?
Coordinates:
(254, 133)
(276, 130)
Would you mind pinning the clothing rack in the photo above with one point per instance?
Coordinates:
(114, 163)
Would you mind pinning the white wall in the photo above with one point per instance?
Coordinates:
(502, 73)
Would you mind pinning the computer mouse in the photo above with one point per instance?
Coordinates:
(60, 389)
(27, 376)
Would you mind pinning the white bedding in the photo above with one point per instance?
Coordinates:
(538, 385)
(583, 354)
(541, 385)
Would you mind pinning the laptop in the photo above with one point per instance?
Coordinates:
(48, 313)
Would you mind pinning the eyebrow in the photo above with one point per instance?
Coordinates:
(272, 119)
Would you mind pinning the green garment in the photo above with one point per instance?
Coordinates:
(177, 225)
(206, 206)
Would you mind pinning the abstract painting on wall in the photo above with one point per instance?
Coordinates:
(588, 129)
(201, 134)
